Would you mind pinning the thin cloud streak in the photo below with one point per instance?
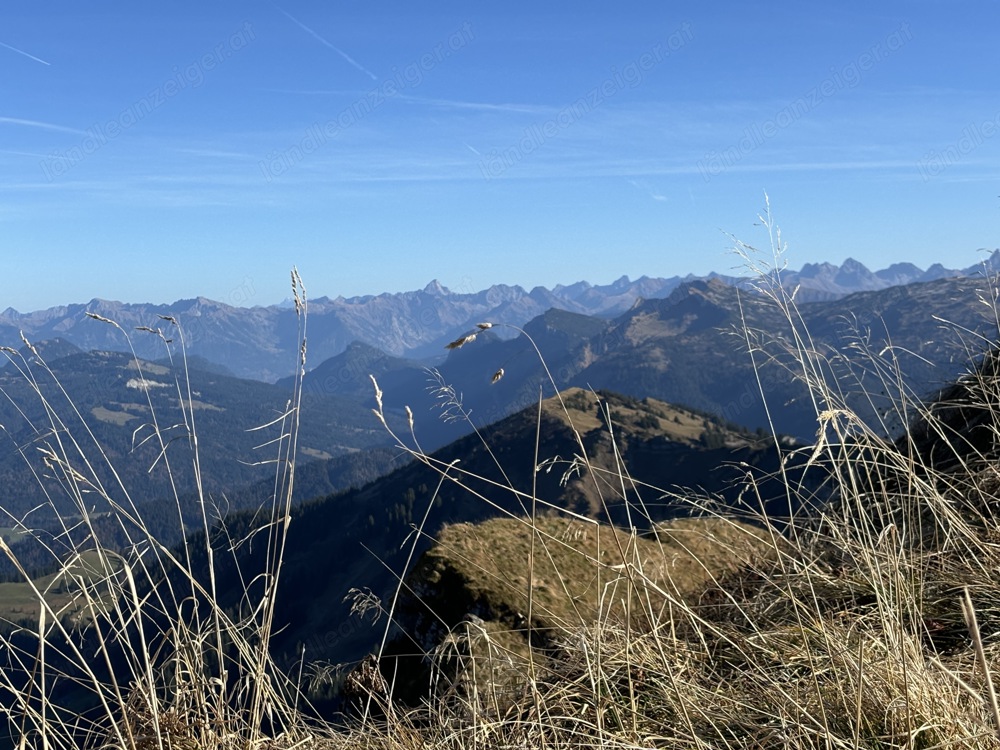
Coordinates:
(217, 153)
(316, 92)
(822, 166)
(30, 154)
(653, 194)
(336, 49)
(478, 106)
(22, 52)
(40, 125)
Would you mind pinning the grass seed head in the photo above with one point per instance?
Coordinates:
(461, 341)
(378, 392)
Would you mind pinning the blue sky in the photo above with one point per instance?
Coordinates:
(158, 152)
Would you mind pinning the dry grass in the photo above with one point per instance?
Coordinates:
(850, 627)
(868, 620)
(130, 648)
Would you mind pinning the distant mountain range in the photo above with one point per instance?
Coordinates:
(690, 348)
(678, 365)
(260, 342)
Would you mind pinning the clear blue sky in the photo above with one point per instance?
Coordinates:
(152, 152)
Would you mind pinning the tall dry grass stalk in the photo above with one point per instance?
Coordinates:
(136, 649)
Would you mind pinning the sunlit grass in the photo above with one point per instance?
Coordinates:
(868, 618)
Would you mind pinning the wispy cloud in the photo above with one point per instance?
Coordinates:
(823, 166)
(650, 191)
(216, 153)
(323, 41)
(531, 109)
(316, 92)
(22, 52)
(40, 125)
(30, 154)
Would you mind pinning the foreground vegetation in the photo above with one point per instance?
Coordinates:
(869, 617)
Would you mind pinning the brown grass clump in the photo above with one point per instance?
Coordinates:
(475, 582)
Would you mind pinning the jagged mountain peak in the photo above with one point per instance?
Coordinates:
(898, 273)
(853, 274)
(571, 291)
(935, 272)
(621, 283)
(436, 288)
(813, 270)
(989, 264)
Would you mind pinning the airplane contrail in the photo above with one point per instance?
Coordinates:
(22, 52)
(336, 49)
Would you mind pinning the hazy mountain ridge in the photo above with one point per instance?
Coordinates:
(112, 394)
(689, 349)
(684, 349)
(259, 342)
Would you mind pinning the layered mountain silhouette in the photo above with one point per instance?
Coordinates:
(58, 397)
(260, 342)
(709, 345)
